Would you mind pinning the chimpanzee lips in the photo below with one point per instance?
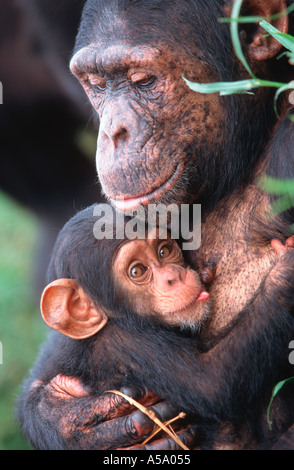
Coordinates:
(203, 295)
(126, 204)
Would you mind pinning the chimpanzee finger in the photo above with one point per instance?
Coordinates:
(187, 437)
(143, 396)
(117, 406)
(129, 430)
(125, 431)
(165, 411)
(138, 426)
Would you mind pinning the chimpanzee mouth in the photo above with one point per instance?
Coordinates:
(129, 203)
(202, 296)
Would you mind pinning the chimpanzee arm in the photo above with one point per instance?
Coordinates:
(62, 415)
(57, 412)
(56, 420)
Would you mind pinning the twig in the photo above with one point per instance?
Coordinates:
(167, 423)
(152, 416)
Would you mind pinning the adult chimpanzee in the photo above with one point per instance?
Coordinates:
(160, 142)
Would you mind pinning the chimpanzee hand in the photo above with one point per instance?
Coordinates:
(77, 420)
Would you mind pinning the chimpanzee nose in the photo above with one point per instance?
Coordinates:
(122, 126)
(170, 277)
(113, 129)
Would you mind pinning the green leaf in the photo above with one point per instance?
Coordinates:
(287, 36)
(228, 88)
(282, 204)
(281, 187)
(235, 35)
(277, 186)
(285, 39)
(275, 391)
(224, 88)
(242, 19)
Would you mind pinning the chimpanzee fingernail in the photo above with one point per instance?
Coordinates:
(164, 411)
(133, 392)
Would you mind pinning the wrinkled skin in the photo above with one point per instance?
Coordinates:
(135, 132)
(160, 142)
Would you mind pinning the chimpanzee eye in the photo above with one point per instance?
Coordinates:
(146, 82)
(165, 251)
(137, 271)
(101, 87)
(96, 81)
(142, 80)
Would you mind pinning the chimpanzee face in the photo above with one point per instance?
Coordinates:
(155, 133)
(154, 278)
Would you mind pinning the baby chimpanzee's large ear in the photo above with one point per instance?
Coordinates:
(66, 308)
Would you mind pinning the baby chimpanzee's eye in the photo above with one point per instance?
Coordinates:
(137, 271)
(165, 251)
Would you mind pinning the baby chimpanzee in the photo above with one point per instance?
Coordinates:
(98, 280)
(125, 309)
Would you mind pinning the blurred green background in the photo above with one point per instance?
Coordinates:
(21, 326)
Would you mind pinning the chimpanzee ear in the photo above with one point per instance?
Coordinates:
(261, 45)
(66, 308)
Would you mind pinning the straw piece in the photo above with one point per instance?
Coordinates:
(167, 423)
(152, 416)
